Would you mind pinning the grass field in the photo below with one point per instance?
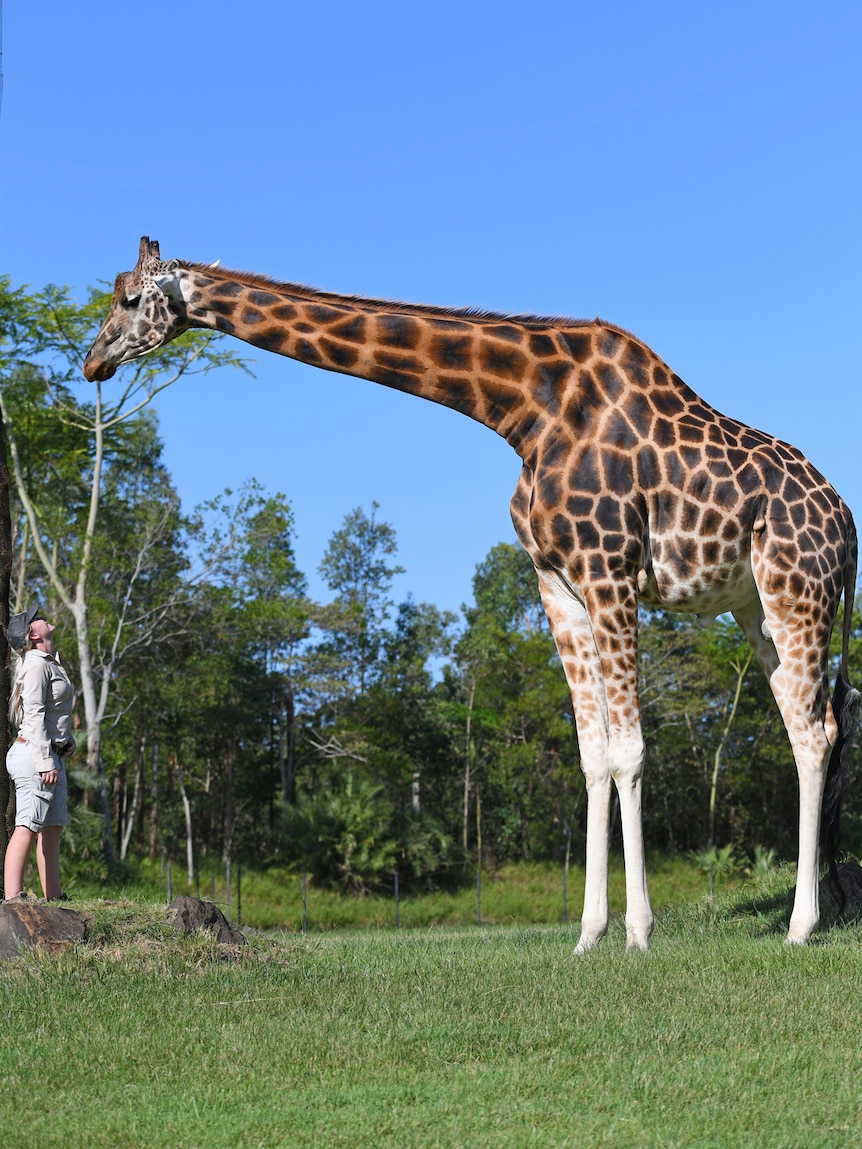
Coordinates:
(720, 1036)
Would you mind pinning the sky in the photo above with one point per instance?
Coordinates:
(687, 170)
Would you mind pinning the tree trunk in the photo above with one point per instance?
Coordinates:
(154, 802)
(121, 800)
(467, 747)
(187, 811)
(290, 709)
(287, 748)
(228, 803)
(741, 671)
(5, 676)
(132, 817)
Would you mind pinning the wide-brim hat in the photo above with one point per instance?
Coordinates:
(18, 629)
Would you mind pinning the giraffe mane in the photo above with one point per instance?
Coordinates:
(366, 303)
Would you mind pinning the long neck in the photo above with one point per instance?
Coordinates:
(494, 369)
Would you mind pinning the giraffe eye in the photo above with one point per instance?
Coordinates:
(131, 300)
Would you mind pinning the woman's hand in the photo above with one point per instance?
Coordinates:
(49, 777)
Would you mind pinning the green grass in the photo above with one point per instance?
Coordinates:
(720, 1036)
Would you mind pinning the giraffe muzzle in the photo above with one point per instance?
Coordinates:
(96, 370)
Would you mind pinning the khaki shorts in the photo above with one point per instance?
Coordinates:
(36, 805)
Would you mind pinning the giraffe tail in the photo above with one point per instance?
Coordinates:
(845, 706)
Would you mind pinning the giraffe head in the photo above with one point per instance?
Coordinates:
(147, 310)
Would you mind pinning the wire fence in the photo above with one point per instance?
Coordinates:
(231, 901)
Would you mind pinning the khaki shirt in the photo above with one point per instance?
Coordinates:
(48, 697)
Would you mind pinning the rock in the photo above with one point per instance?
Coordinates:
(30, 926)
(191, 914)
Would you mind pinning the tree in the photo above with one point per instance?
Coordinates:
(276, 590)
(233, 727)
(403, 726)
(357, 568)
(519, 730)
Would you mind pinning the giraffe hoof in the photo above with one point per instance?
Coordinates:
(639, 931)
(637, 945)
(587, 942)
(799, 932)
(796, 939)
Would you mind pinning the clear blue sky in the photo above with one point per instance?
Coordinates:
(690, 171)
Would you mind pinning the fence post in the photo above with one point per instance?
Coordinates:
(304, 885)
(238, 895)
(227, 888)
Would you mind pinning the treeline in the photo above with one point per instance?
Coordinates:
(223, 714)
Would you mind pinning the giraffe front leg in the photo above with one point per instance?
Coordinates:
(573, 635)
(594, 919)
(612, 610)
(627, 756)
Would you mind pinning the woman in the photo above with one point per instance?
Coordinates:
(42, 700)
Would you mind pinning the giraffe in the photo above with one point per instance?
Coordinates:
(632, 489)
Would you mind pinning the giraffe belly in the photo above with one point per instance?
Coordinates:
(673, 580)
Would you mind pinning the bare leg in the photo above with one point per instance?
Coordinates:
(48, 861)
(17, 852)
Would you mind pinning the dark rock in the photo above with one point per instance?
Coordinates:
(191, 914)
(30, 926)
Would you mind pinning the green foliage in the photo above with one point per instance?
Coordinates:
(517, 714)
(426, 856)
(716, 862)
(340, 835)
(358, 569)
(762, 864)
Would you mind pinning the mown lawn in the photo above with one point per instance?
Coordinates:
(720, 1036)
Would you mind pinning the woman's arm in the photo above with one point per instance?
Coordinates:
(35, 684)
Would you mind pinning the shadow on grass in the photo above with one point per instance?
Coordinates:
(763, 907)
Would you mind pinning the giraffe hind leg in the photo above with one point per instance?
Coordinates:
(798, 684)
